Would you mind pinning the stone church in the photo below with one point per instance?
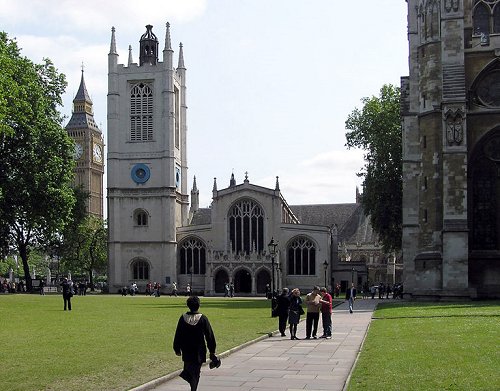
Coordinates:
(158, 232)
(451, 149)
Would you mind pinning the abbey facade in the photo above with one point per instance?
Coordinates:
(451, 149)
(158, 232)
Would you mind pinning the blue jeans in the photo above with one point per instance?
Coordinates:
(351, 303)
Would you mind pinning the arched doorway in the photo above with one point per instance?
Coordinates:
(263, 279)
(243, 281)
(221, 277)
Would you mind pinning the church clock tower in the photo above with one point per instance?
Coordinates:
(89, 150)
(147, 163)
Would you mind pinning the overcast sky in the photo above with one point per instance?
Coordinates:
(270, 83)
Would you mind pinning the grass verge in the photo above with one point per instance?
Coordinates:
(109, 342)
(429, 346)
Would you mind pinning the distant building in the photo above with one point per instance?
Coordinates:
(451, 150)
(89, 150)
(157, 234)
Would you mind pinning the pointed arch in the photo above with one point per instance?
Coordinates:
(192, 256)
(301, 256)
(481, 19)
(246, 226)
(484, 183)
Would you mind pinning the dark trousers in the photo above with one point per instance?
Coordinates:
(282, 323)
(191, 374)
(312, 320)
(67, 302)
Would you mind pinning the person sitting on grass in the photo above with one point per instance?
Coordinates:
(193, 329)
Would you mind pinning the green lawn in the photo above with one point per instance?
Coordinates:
(429, 346)
(108, 342)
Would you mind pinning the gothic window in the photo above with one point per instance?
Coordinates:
(192, 256)
(140, 218)
(246, 227)
(484, 167)
(496, 19)
(140, 270)
(301, 257)
(141, 112)
(481, 19)
(432, 20)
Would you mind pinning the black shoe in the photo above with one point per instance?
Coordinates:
(296, 338)
(323, 336)
(308, 337)
(314, 337)
(283, 334)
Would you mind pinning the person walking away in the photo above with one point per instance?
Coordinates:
(313, 310)
(294, 312)
(326, 313)
(174, 289)
(350, 295)
(67, 293)
(282, 309)
(42, 288)
(193, 329)
(231, 289)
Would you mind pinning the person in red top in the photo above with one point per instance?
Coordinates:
(326, 313)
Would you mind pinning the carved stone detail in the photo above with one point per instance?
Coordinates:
(454, 120)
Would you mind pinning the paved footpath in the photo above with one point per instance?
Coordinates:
(278, 363)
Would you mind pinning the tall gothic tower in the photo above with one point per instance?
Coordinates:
(451, 149)
(147, 162)
(89, 150)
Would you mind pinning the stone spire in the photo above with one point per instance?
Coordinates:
(215, 185)
(130, 61)
(180, 65)
(195, 199)
(168, 42)
(232, 182)
(246, 177)
(112, 47)
(83, 113)
(277, 188)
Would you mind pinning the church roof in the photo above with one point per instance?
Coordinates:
(353, 226)
(82, 121)
(202, 216)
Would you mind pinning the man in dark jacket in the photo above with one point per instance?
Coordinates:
(282, 310)
(193, 328)
(67, 293)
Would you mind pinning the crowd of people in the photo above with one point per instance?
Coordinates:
(289, 309)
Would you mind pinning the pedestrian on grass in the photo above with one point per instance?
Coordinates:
(282, 310)
(67, 292)
(294, 312)
(193, 329)
(42, 287)
(174, 289)
(313, 310)
(350, 296)
(326, 313)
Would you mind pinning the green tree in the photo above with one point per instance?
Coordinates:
(84, 249)
(36, 153)
(376, 129)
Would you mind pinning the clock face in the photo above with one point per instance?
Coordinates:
(97, 153)
(140, 173)
(78, 152)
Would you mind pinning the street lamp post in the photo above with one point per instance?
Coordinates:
(352, 275)
(272, 251)
(325, 266)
